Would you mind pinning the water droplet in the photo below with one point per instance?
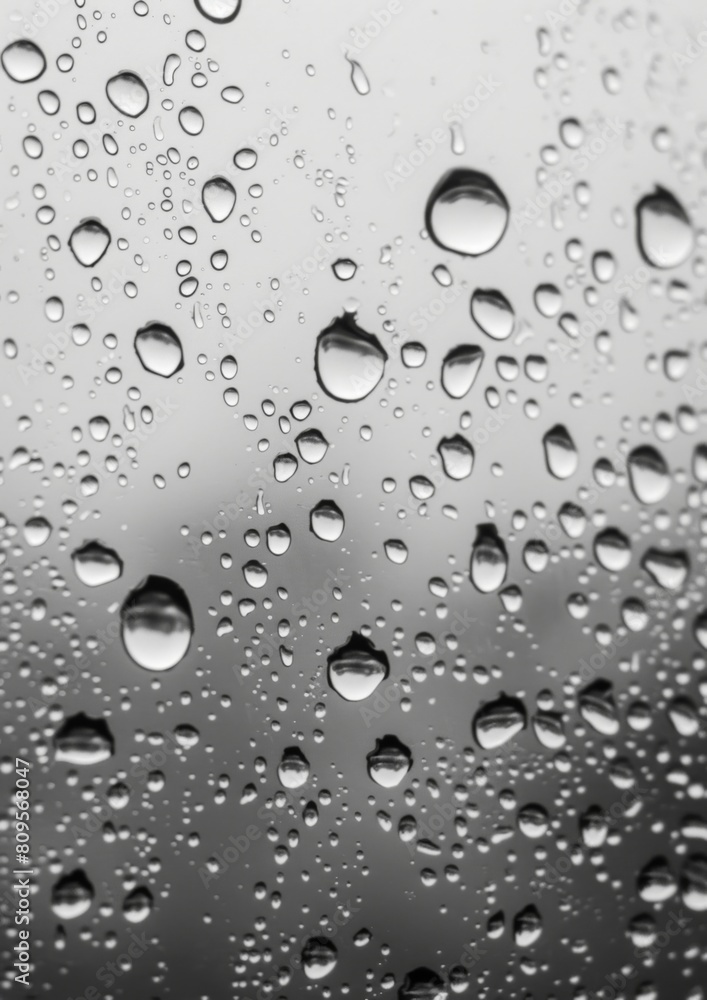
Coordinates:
(219, 198)
(648, 474)
(23, 61)
(72, 895)
(220, 11)
(489, 561)
(318, 957)
(560, 452)
(422, 984)
(89, 242)
(670, 570)
(612, 550)
(357, 668)
(460, 369)
(159, 349)
(137, 905)
(492, 313)
(389, 762)
(96, 565)
(467, 212)
(349, 362)
(693, 883)
(359, 78)
(663, 229)
(293, 769)
(156, 624)
(83, 741)
(499, 721)
(326, 521)
(597, 707)
(656, 883)
(128, 94)
(457, 456)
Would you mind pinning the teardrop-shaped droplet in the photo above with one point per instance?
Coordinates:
(357, 668)
(492, 313)
(219, 198)
(389, 762)
(220, 11)
(560, 452)
(499, 721)
(359, 78)
(489, 560)
(89, 242)
(663, 229)
(128, 94)
(460, 368)
(457, 456)
(156, 624)
(312, 446)
(670, 570)
(159, 349)
(467, 212)
(83, 741)
(648, 474)
(349, 362)
(318, 957)
(326, 521)
(23, 61)
(72, 895)
(293, 769)
(96, 565)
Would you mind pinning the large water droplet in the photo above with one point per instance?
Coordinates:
(492, 313)
(499, 721)
(156, 624)
(293, 769)
(648, 474)
(457, 456)
(489, 560)
(349, 362)
(96, 565)
(83, 741)
(318, 957)
(670, 570)
(23, 61)
(389, 761)
(560, 452)
(159, 349)
(422, 984)
(597, 707)
(89, 242)
(137, 905)
(656, 882)
(467, 212)
(693, 883)
(219, 198)
(326, 521)
(663, 229)
(357, 668)
(72, 895)
(128, 94)
(460, 368)
(612, 550)
(220, 11)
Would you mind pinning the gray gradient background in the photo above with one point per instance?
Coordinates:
(429, 58)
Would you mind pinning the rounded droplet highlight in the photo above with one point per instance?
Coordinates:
(159, 349)
(128, 94)
(219, 198)
(663, 230)
(95, 564)
(23, 61)
(89, 242)
(389, 762)
(467, 213)
(156, 624)
(357, 668)
(349, 362)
